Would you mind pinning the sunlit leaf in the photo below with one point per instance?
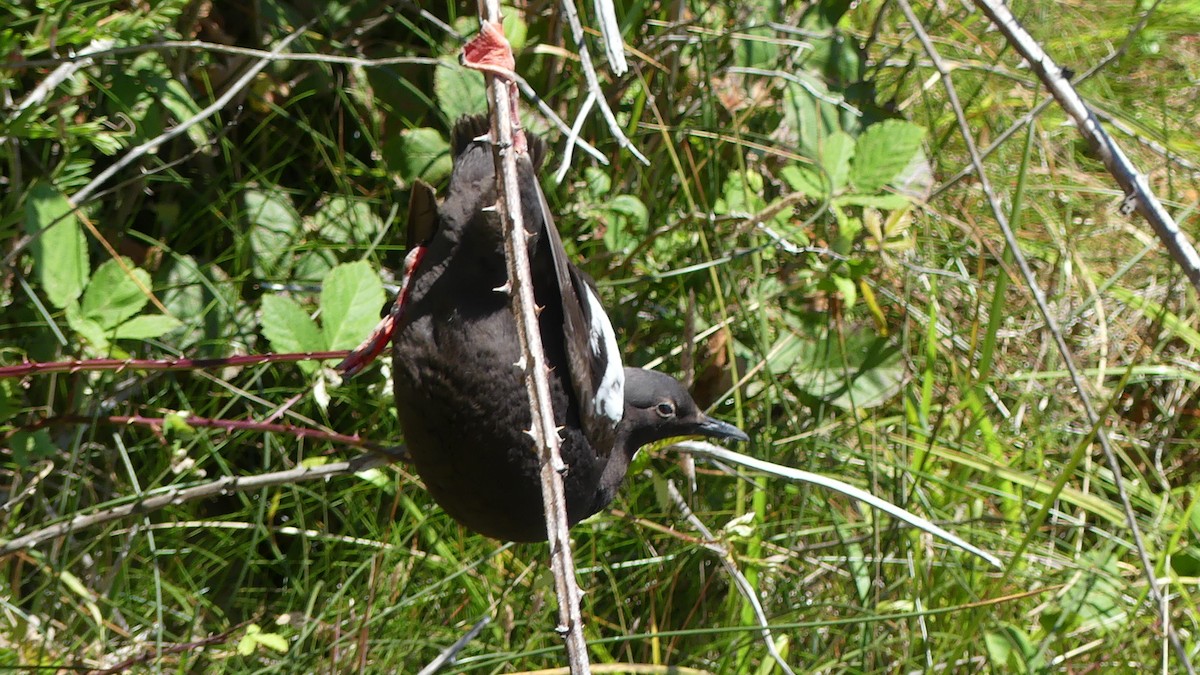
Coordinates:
(884, 150)
(59, 249)
(351, 299)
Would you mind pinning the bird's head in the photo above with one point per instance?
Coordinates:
(657, 407)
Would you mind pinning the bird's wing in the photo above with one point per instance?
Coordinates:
(591, 345)
(593, 358)
(422, 214)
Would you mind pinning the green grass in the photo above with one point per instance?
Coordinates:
(885, 343)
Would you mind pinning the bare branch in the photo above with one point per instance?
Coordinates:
(119, 365)
(1138, 195)
(610, 30)
(593, 82)
(506, 143)
(716, 452)
(83, 59)
(450, 654)
(157, 499)
(743, 584)
(1114, 464)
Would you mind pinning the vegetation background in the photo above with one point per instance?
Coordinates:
(802, 246)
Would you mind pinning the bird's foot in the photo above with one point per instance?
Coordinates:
(489, 52)
(371, 348)
(377, 341)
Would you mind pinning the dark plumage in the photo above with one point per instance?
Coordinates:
(461, 400)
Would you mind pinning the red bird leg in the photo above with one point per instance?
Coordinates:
(490, 52)
(377, 341)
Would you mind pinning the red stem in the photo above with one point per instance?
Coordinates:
(118, 365)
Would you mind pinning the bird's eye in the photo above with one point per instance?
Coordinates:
(665, 409)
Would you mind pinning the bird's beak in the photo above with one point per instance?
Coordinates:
(715, 428)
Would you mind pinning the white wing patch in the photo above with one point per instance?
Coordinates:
(610, 395)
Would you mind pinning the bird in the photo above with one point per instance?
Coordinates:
(460, 396)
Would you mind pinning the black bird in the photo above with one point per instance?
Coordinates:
(461, 398)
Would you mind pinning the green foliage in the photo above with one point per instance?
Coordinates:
(424, 154)
(256, 638)
(59, 250)
(350, 302)
(111, 305)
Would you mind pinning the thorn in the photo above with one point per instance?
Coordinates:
(484, 137)
(562, 630)
(537, 310)
(1128, 205)
(520, 364)
(491, 209)
(505, 288)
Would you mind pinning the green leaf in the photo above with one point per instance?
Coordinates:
(804, 180)
(175, 97)
(515, 30)
(741, 194)
(809, 117)
(351, 298)
(275, 228)
(314, 263)
(345, 220)
(627, 215)
(29, 447)
(847, 230)
(273, 641)
(1093, 598)
(883, 152)
(460, 91)
(89, 329)
(290, 329)
(9, 400)
(422, 153)
(889, 201)
(117, 292)
(847, 288)
(1011, 650)
(632, 208)
(209, 301)
(868, 373)
(60, 251)
(249, 641)
(836, 151)
(998, 647)
(598, 183)
(757, 46)
(145, 88)
(146, 326)
(176, 423)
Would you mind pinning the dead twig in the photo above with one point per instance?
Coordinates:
(743, 584)
(507, 142)
(153, 500)
(1097, 425)
(450, 654)
(1138, 195)
(119, 365)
